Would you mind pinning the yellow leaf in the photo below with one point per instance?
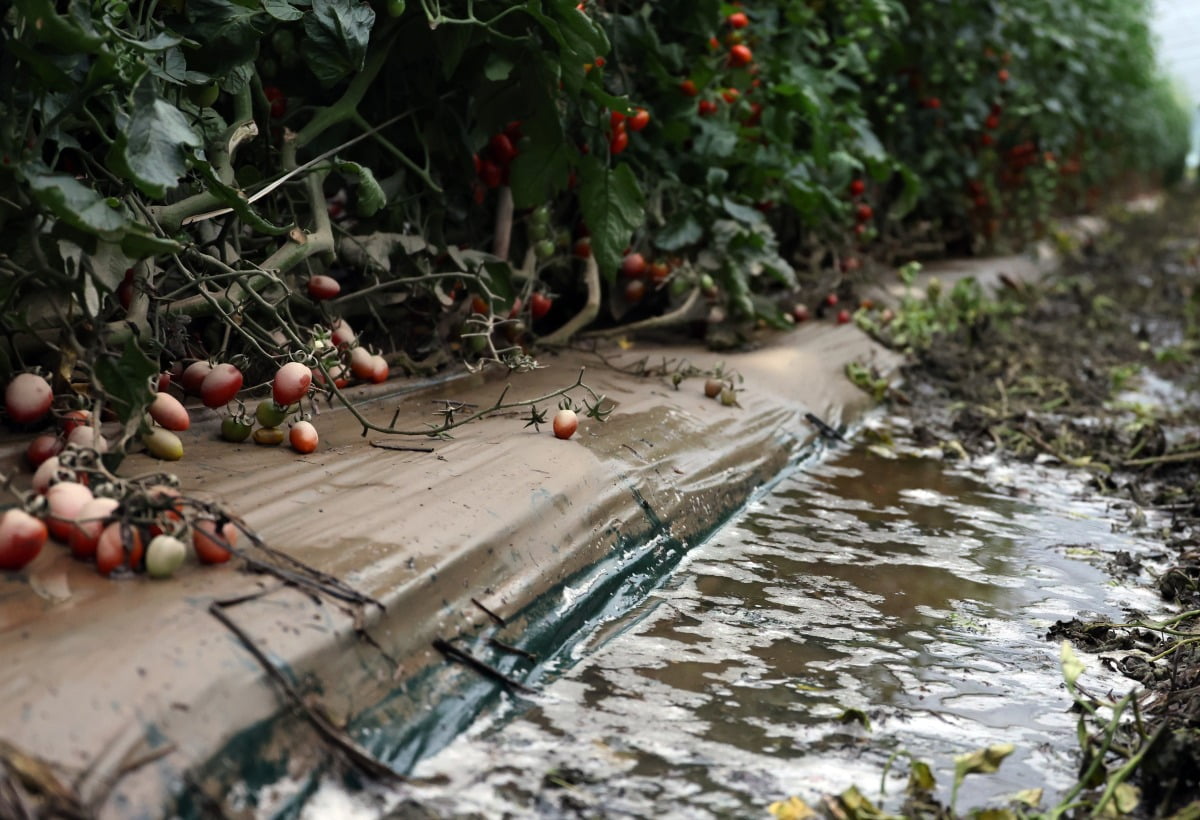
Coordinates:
(791, 809)
(624, 343)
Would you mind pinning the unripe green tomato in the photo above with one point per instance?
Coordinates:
(680, 286)
(235, 429)
(540, 216)
(537, 232)
(164, 555)
(164, 444)
(396, 7)
(706, 282)
(270, 414)
(544, 250)
(204, 95)
(283, 42)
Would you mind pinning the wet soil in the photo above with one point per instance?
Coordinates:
(1099, 370)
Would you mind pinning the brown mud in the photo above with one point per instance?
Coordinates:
(1097, 368)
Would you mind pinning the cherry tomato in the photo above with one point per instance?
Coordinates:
(615, 118)
(323, 287)
(502, 149)
(291, 383)
(633, 265)
(635, 289)
(539, 305)
(169, 412)
(639, 120)
(87, 526)
(212, 545)
(343, 334)
(42, 448)
(21, 539)
(659, 271)
(843, 317)
(1002, 75)
(194, 375)
(864, 213)
(582, 248)
(268, 436)
(730, 95)
(235, 429)
(360, 363)
(688, 88)
(800, 313)
(379, 369)
(618, 141)
(73, 419)
(565, 423)
(164, 555)
(119, 545)
(857, 187)
(278, 102)
(740, 55)
(706, 108)
(270, 414)
(220, 386)
(27, 398)
(163, 444)
(65, 500)
(738, 20)
(303, 437)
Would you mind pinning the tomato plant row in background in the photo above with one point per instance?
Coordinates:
(228, 182)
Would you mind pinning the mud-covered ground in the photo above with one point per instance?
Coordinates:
(1099, 369)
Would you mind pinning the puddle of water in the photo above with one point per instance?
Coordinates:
(915, 593)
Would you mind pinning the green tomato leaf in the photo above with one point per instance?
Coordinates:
(371, 196)
(681, 230)
(125, 380)
(336, 38)
(498, 67)
(75, 203)
(613, 207)
(282, 10)
(230, 31)
(541, 169)
(149, 150)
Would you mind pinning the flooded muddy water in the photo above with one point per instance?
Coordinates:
(864, 607)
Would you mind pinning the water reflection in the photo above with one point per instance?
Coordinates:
(914, 593)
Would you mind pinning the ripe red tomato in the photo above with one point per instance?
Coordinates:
(539, 305)
(857, 187)
(503, 151)
(843, 317)
(113, 550)
(87, 526)
(42, 448)
(379, 369)
(1002, 75)
(303, 437)
(490, 174)
(659, 271)
(986, 140)
(730, 95)
(800, 313)
(360, 363)
(21, 539)
(933, 103)
(323, 287)
(565, 423)
(831, 299)
(479, 305)
(343, 334)
(864, 213)
(27, 398)
(618, 141)
(635, 290)
(278, 102)
(291, 383)
(992, 123)
(740, 55)
(738, 20)
(633, 265)
(615, 118)
(194, 375)
(212, 546)
(65, 500)
(169, 412)
(639, 120)
(688, 88)
(221, 385)
(73, 419)
(582, 248)
(706, 108)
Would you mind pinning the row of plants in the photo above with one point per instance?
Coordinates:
(242, 180)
